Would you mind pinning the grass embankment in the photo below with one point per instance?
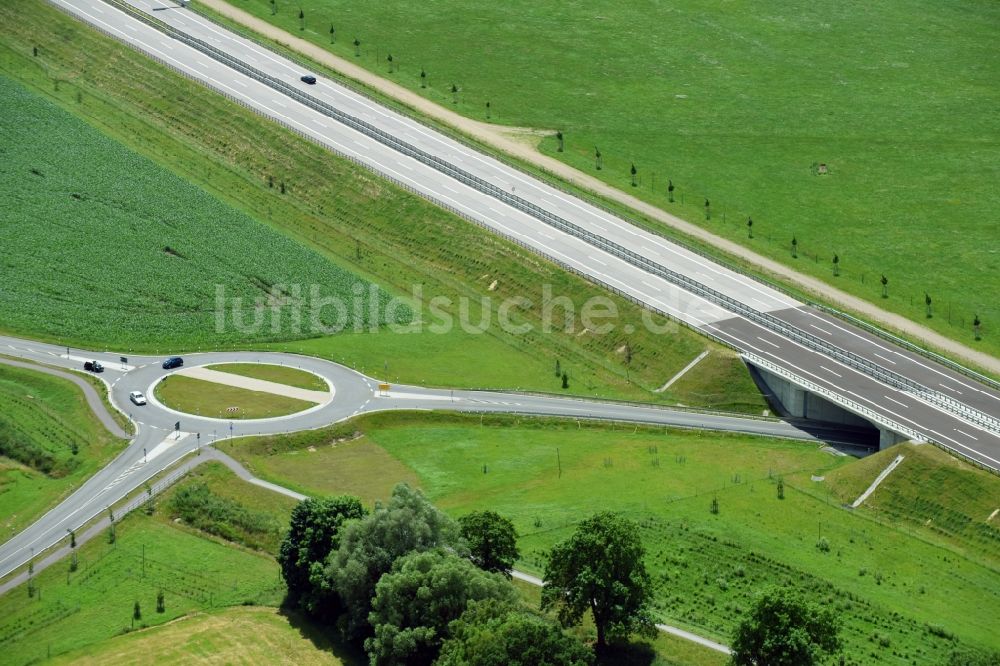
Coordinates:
(740, 108)
(931, 493)
(50, 443)
(248, 635)
(203, 398)
(275, 373)
(212, 500)
(70, 610)
(173, 244)
(888, 584)
(208, 544)
(353, 218)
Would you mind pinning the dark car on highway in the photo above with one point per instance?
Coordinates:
(173, 362)
(309, 78)
(93, 366)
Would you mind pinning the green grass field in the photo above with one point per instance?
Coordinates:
(887, 581)
(250, 635)
(197, 396)
(738, 105)
(668, 650)
(931, 493)
(134, 264)
(269, 511)
(43, 420)
(279, 374)
(70, 611)
(349, 216)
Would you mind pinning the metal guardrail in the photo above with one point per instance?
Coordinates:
(834, 397)
(765, 320)
(864, 411)
(664, 407)
(552, 181)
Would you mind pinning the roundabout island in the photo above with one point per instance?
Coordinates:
(242, 391)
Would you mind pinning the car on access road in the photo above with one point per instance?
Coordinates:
(93, 366)
(173, 362)
(137, 397)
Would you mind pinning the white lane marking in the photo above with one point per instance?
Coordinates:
(944, 386)
(768, 342)
(887, 360)
(822, 330)
(576, 204)
(592, 257)
(837, 374)
(897, 402)
(966, 434)
(594, 216)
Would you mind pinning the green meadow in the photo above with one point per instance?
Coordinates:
(739, 104)
(902, 596)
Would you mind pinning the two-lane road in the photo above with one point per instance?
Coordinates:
(626, 269)
(158, 444)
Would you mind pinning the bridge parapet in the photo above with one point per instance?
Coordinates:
(793, 392)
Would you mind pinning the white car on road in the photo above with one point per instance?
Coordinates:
(137, 397)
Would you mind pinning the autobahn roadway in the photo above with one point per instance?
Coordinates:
(845, 363)
(160, 444)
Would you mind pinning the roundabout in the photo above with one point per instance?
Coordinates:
(165, 436)
(199, 397)
(245, 391)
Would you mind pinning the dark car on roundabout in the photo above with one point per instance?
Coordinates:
(173, 362)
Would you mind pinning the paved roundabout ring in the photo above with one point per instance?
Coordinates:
(350, 390)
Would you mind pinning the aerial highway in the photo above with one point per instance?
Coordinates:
(163, 436)
(885, 382)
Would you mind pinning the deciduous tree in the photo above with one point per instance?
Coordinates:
(492, 541)
(369, 547)
(415, 603)
(313, 533)
(600, 568)
(784, 630)
(492, 633)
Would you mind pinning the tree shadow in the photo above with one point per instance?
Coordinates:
(324, 637)
(627, 654)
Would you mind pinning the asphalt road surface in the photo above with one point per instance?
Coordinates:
(165, 436)
(842, 382)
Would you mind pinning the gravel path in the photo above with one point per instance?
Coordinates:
(254, 384)
(510, 140)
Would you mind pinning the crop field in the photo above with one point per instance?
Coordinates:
(102, 245)
(69, 610)
(902, 596)
(50, 443)
(740, 105)
(351, 217)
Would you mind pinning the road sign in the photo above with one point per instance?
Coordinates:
(124, 359)
(177, 426)
(383, 389)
